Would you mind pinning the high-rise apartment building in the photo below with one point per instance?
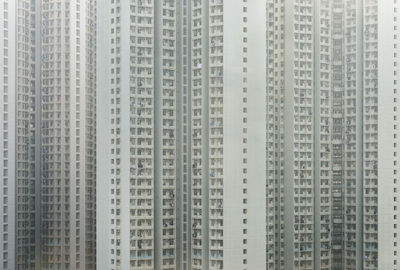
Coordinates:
(19, 135)
(68, 56)
(332, 171)
(227, 114)
(181, 178)
(47, 151)
(236, 134)
(314, 83)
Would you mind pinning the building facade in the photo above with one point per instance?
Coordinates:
(232, 134)
(47, 134)
(332, 135)
(68, 139)
(20, 151)
(184, 120)
(314, 83)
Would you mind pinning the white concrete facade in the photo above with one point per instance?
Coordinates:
(42, 93)
(332, 101)
(205, 118)
(7, 93)
(19, 135)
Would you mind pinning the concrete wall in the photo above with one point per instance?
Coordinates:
(103, 139)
